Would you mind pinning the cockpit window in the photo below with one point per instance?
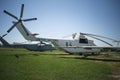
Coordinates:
(83, 40)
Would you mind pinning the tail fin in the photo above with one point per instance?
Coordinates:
(4, 42)
(25, 32)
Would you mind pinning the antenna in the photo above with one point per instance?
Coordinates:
(19, 20)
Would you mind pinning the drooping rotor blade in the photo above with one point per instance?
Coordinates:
(12, 27)
(99, 36)
(100, 40)
(22, 9)
(29, 19)
(10, 14)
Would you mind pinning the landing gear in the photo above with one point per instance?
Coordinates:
(71, 53)
(85, 55)
(93, 53)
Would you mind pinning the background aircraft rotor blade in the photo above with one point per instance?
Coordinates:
(22, 9)
(29, 19)
(4, 35)
(10, 14)
(12, 27)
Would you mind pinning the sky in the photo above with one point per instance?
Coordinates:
(58, 18)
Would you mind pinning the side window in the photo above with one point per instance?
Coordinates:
(83, 40)
(66, 43)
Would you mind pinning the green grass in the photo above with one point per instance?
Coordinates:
(21, 64)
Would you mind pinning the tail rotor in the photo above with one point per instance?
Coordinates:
(19, 20)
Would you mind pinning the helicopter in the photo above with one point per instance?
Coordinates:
(79, 44)
(29, 45)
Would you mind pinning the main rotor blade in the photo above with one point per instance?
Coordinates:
(99, 36)
(29, 19)
(22, 8)
(100, 40)
(12, 27)
(10, 14)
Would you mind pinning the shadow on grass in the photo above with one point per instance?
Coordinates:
(94, 59)
(67, 56)
(35, 54)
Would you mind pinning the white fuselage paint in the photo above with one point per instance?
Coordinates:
(71, 46)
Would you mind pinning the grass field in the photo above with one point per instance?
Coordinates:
(21, 64)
